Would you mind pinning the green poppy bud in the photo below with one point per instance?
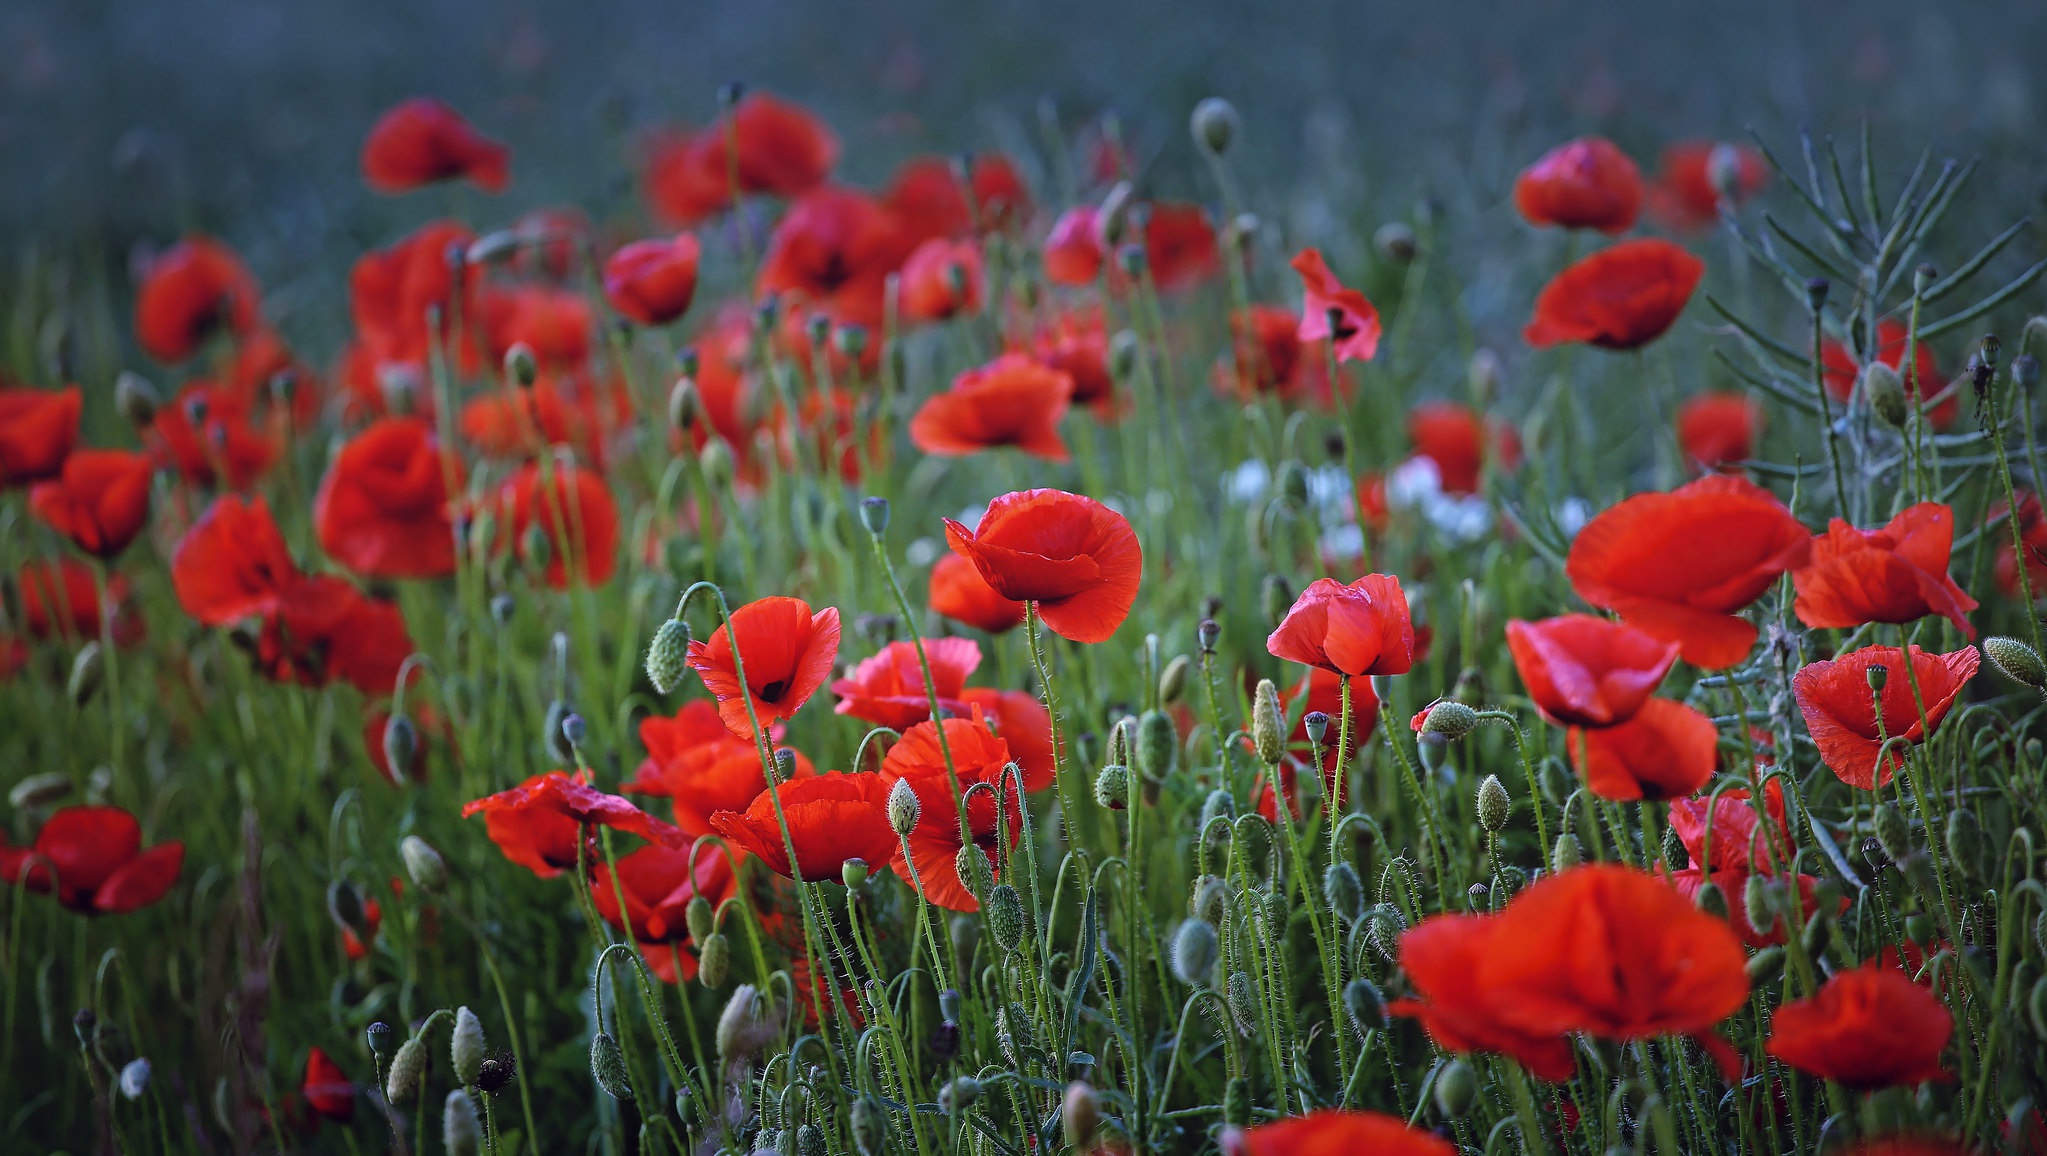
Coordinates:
(1194, 952)
(607, 1065)
(1494, 803)
(408, 1072)
(1456, 1089)
(466, 1046)
(461, 1133)
(668, 655)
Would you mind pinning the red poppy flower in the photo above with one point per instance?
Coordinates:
(1076, 342)
(1336, 1132)
(782, 149)
(1443, 957)
(1719, 429)
(571, 409)
(61, 598)
(232, 563)
(960, 593)
(1073, 250)
(1678, 566)
(1587, 183)
(1330, 311)
(934, 843)
(1362, 628)
(1585, 671)
(393, 291)
(382, 510)
(1459, 441)
(100, 501)
(888, 689)
(942, 279)
(1622, 297)
(1684, 195)
(2032, 533)
(1897, 574)
(787, 651)
(1011, 401)
(1266, 356)
(38, 427)
(1077, 559)
(1840, 709)
(927, 194)
(832, 818)
(653, 282)
(1666, 750)
(1741, 841)
(1841, 371)
(554, 324)
(575, 513)
(323, 629)
(97, 859)
(1022, 721)
(833, 250)
(353, 945)
(189, 291)
(658, 888)
(211, 434)
(422, 141)
(1868, 1028)
(1180, 246)
(327, 1089)
(536, 824)
(701, 767)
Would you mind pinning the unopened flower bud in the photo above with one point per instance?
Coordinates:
(1816, 291)
(344, 904)
(1112, 787)
(874, 515)
(1891, 831)
(521, 368)
(1006, 917)
(1765, 966)
(461, 1134)
(401, 745)
(1565, 853)
(1158, 740)
(715, 459)
(1396, 243)
(428, 870)
(1965, 845)
(1923, 277)
(699, 916)
(850, 339)
(466, 1046)
(1759, 903)
(2017, 661)
(903, 807)
(1236, 1106)
(870, 1126)
(1194, 952)
(1173, 680)
(607, 1064)
(1711, 900)
(1451, 719)
(1112, 218)
(683, 403)
(88, 670)
(976, 874)
(959, 1093)
(1493, 803)
(1364, 1004)
(1456, 1089)
(1265, 723)
(1346, 895)
(1080, 1114)
(135, 1078)
(714, 959)
(136, 398)
(2025, 369)
(816, 328)
(1215, 124)
(408, 1071)
(668, 655)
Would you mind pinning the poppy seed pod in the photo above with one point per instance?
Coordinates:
(668, 655)
(1316, 723)
(1112, 787)
(975, 872)
(1456, 1089)
(853, 872)
(903, 807)
(1886, 393)
(1565, 853)
(607, 1065)
(1194, 952)
(429, 872)
(1215, 124)
(466, 1046)
(714, 959)
(401, 744)
(136, 398)
(1364, 1004)
(817, 327)
(408, 1072)
(379, 1035)
(2017, 661)
(1816, 293)
(1173, 680)
(874, 515)
(461, 1133)
(1080, 1114)
(1450, 719)
(1878, 676)
(870, 1126)
(1207, 634)
(1265, 723)
(1006, 917)
(1158, 740)
(88, 670)
(574, 730)
(1494, 803)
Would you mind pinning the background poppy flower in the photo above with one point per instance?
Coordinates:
(935, 842)
(1740, 840)
(1362, 628)
(832, 251)
(1910, 1146)
(327, 1089)
(930, 197)
(1330, 1131)
(941, 279)
(382, 510)
(652, 282)
(1266, 356)
(2032, 535)
(61, 598)
(832, 818)
(1841, 371)
(788, 653)
(1679, 565)
(211, 434)
(93, 859)
(1898, 573)
(189, 291)
(1179, 246)
(782, 149)
(1588, 183)
(700, 766)
(1077, 559)
(958, 592)
(888, 690)
(1073, 250)
(322, 629)
(1022, 722)
(1666, 750)
(422, 141)
(1460, 441)
(1840, 710)
(1076, 342)
(1718, 429)
(536, 824)
(1011, 401)
(658, 887)
(1867, 1027)
(1330, 311)
(232, 563)
(576, 515)
(1684, 195)
(100, 500)
(1622, 297)
(1585, 671)
(38, 427)
(554, 324)
(393, 291)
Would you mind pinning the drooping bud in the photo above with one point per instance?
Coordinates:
(1723, 170)
(874, 515)
(1494, 803)
(1158, 740)
(1364, 1004)
(1456, 1089)
(1215, 124)
(424, 864)
(1080, 1114)
(2025, 368)
(401, 745)
(870, 1127)
(1242, 1000)
(408, 1070)
(1345, 894)
(1892, 832)
(1006, 917)
(1965, 846)
(700, 917)
(667, 655)
(903, 807)
(1293, 485)
(1112, 787)
(466, 1046)
(344, 904)
(1194, 952)
(461, 1133)
(1211, 897)
(959, 1093)
(1265, 723)
(1451, 719)
(1759, 903)
(975, 872)
(2017, 661)
(607, 1064)
(1766, 965)
(1711, 900)
(88, 670)
(714, 959)
(1565, 853)
(1886, 393)
(38, 791)
(136, 398)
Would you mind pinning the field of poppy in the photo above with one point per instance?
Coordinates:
(1005, 660)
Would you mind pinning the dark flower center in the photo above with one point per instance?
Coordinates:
(774, 691)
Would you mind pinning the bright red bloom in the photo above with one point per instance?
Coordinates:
(1841, 371)
(1073, 250)
(38, 427)
(1022, 721)
(1840, 709)
(1718, 429)
(1588, 183)
(1077, 559)
(1180, 246)
(382, 510)
(554, 324)
(1336, 1132)
(1266, 356)
(927, 195)
(576, 515)
(960, 593)
(832, 818)
(189, 291)
(537, 823)
(1443, 957)
(2032, 533)
(327, 1089)
(1362, 628)
(100, 501)
(1076, 342)
(422, 141)
(61, 598)
(701, 767)
(211, 434)
(1896, 574)
(888, 689)
(658, 887)
(1622, 297)
(942, 279)
(1684, 195)
(1585, 671)
(97, 859)
(1868, 1027)
(1011, 401)
(322, 629)
(1666, 750)
(934, 843)
(833, 251)
(232, 563)
(652, 282)
(787, 651)
(782, 149)
(392, 292)
(1331, 311)
(1679, 565)
(1741, 841)
(1460, 441)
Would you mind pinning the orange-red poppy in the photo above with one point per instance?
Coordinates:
(1011, 401)
(928, 194)
(538, 823)
(575, 514)
(556, 325)
(1718, 429)
(1840, 708)
(2032, 535)
(233, 563)
(1443, 957)
(1021, 721)
(322, 629)
(698, 764)
(1622, 297)
(773, 146)
(1680, 565)
(1334, 312)
(831, 818)
(652, 282)
(38, 427)
(832, 252)
(1180, 246)
(1461, 442)
(1360, 628)
(1896, 574)
(1073, 250)
(190, 291)
(888, 690)
(1335, 1132)
(958, 592)
(1867, 1027)
(1076, 342)
(393, 291)
(422, 141)
(1740, 839)
(1841, 371)
(942, 278)
(934, 844)
(96, 857)
(1267, 356)
(327, 1089)
(577, 410)
(1076, 559)
(382, 511)
(1588, 183)
(100, 500)
(787, 652)
(1586, 671)
(1684, 196)
(1666, 750)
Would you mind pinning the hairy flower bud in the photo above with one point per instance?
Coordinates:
(607, 1065)
(1211, 898)
(466, 1046)
(1891, 831)
(424, 864)
(1450, 718)
(1344, 893)
(870, 1126)
(1759, 903)
(1711, 900)
(136, 398)
(408, 1072)
(1194, 952)
(975, 872)
(1766, 965)
(1965, 845)
(1237, 1103)
(1006, 917)
(1243, 1002)
(1215, 124)
(1493, 803)
(1112, 787)
(903, 807)
(461, 1133)
(1265, 723)
(959, 1093)
(714, 959)
(1456, 1089)
(1886, 393)
(667, 655)
(1565, 853)
(1173, 680)
(1158, 740)
(2017, 661)
(1364, 1004)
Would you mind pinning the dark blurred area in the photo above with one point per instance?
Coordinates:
(133, 120)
